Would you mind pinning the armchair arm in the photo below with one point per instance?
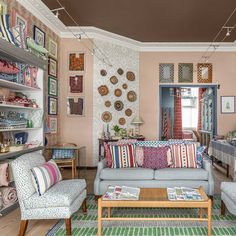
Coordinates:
(101, 165)
(208, 167)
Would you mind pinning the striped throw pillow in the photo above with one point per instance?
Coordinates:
(122, 156)
(45, 176)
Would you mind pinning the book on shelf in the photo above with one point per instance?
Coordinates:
(121, 193)
(183, 193)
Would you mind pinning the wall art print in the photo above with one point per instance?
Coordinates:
(52, 105)
(52, 48)
(75, 106)
(52, 67)
(204, 73)
(52, 124)
(52, 86)
(39, 36)
(227, 104)
(76, 61)
(185, 72)
(76, 83)
(19, 20)
(166, 72)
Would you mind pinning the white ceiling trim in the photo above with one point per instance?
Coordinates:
(43, 13)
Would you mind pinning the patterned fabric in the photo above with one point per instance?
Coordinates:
(177, 129)
(184, 155)
(45, 176)
(108, 155)
(122, 156)
(158, 143)
(200, 156)
(4, 174)
(155, 158)
(62, 153)
(5, 33)
(139, 155)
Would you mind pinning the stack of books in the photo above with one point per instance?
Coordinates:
(183, 193)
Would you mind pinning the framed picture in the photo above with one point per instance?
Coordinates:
(166, 72)
(75, 106)
(19, 20)
(3, 7)
(76, 84)
(52, 48)
(227, 104)
(52, 124)
(52, 106)
(204, 73)
(76, 61)
(52, 86)
(185, 72)
(39, 36)
(52, 67)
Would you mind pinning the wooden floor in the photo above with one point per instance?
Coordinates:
(9, 224)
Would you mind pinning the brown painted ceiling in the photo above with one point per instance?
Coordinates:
(153, 20)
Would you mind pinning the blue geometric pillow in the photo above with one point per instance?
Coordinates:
(62, 153)
(200, 156)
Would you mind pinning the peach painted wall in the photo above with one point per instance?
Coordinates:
(77, 129)
(224, 71)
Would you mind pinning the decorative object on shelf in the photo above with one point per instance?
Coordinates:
(75, 106)
(107, 103)
(120, 71)
(166, 72)
(6, 33)
(8, 68)
(185, 72)
(36, 49)
(130, 76)
(118, 92)
(76, 61)
(118, 105)
(131, 96)
(3, 7)
(122, 121)
(106, 116)
(37, 118)
(227, 104)
(204, 73)
(52, 86)
(21, 137)
(103, 72)
(52, 67)
(52, 105)
(137, 121)
(103, 90)
(52, 48)
(116, 129)
(124, 86)
(21, 99)
(53, 125)
(19, 36)
(18, 19)
(114, 80)
(76, 84)
(128, 112)
(39, 36)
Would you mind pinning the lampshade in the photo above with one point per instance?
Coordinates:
(137, 120)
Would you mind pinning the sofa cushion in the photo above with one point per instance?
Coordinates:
(127, 174)
(181, 174)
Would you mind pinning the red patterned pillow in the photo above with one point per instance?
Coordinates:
(184, 155)
(107, 155)
(139, 155)
(155, 157)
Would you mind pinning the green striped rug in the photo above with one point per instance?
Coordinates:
(87, 224)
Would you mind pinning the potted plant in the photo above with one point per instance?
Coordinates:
(117, 129)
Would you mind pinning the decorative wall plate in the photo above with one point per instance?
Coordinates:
(103, 90)
(166, 72)
(131, 96)
(130, 76)
(114, 80)
(118, 105)
(128, 112)
(124, 86)
(106, 116)
(122, 121)
(118, 92)
(107, 103)
(185, 72)
(103, 72)
(120, 71)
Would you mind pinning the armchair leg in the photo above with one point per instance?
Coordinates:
(84, 206)
(23, 227)
(222, 208)
(97, 197)
(68, 227)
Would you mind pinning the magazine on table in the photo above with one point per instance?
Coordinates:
(183, 193)
(122, 193)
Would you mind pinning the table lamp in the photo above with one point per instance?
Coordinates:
(137, 121)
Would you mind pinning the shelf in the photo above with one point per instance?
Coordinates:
(17, 86)
(18, 107)
(18, 129)
(11, 52)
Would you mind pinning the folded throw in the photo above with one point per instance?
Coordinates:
(9, 195)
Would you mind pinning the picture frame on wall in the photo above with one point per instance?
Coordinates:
(76, 84)
(185, 72)
(39, 36)
(227, 104)
(52, 67)
(52, 105)
(75, 106)
(52, 48)
(52, 125)
(76, 61)
(52, 86)
(19, 20)
(3, 7)
(204, 73)
(166, 72)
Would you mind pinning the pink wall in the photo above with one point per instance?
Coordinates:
(77, 129)
(224, 71)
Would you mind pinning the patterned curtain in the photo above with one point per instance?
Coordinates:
(177, 116)
(199, 123)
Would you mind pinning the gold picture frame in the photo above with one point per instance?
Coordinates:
(204, 73)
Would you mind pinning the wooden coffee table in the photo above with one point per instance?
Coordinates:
(154, 198)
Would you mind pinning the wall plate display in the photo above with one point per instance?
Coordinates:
(119, 105)
(204, 73)
(185, 72)
(114, 80)
(103, 72)
(103, 90)
(52, 67)
(76, 84)
(75, 106)
(131, 96)
(106, 116)
(166, 72)
(130, 76)
(39, 36)
(19, 20)
(107, 103)
(52, 105)
(120, 71)
(124, 86)
(118, 92)
(227, 104)
(52, 48)
(52, 125)
(128, 112)
(122, 121)
(52, 86)
(76, 61)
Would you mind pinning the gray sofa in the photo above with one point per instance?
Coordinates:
(149, 178)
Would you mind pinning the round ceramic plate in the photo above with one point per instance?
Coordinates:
(118, 92)
(114, 80)
(103, 90)
(120, 71)
(122, 121)
(131, 96)
(107, 103)
(130, 76)
(103, 72)
(128, 112)
(106, 116)
(118, 105)
(124, 86)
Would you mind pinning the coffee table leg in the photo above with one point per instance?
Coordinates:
(201, 215)
(99, 217)
(108, 212)
(209, 217)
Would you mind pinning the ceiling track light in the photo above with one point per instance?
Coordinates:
(56, 10)
(228, 30)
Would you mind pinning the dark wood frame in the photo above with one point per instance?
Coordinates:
(44, 35)
(49, 63)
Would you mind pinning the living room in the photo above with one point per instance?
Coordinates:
(115, 95)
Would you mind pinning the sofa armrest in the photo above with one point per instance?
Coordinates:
(208, 167)
(101, 165)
